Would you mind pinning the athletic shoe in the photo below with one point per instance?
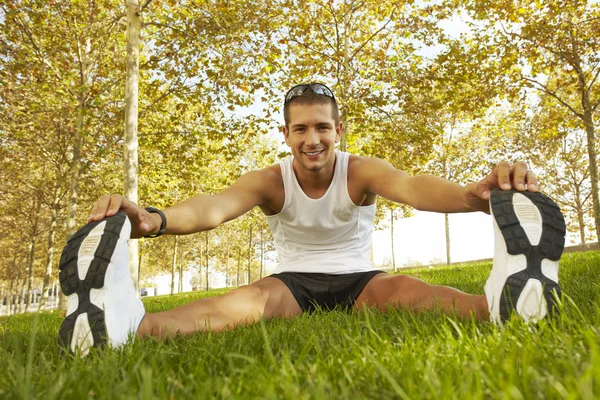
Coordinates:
(529, 232)
(94, 275)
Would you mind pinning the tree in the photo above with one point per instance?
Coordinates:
(550, 47)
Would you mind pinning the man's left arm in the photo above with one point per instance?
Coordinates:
(431, 193)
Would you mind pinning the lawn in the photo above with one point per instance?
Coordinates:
(331, 355)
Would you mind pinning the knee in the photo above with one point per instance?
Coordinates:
(407, 288)
(401, 283)
(254, 296)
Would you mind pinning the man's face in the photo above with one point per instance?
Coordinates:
(312, 134)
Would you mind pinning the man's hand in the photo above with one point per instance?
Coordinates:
(505, 177)
(143, 223)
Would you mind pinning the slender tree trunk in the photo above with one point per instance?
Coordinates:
(207, 270)
(9, 300)
(591, 141)
(227, 280)
(581, 223)
(140, 259)
(447, 224)
(1, 296)
(345, 83)
(238, 265)
(49, 259)
(77, 144)
(249, 255)
(180, 285)
(21, 286)
(131, 121)
(174, 265)
(262, 252)
(580, 214)
(393, 252)
(31, 256)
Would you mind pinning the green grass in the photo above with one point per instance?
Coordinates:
(334, 355)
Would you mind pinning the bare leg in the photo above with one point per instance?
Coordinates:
(266, 298)
(405, 291)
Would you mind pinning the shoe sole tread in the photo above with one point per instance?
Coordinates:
(94, 279)
(551, 245)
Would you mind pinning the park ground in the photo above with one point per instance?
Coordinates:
(334, 355)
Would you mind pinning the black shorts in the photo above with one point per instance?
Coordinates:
(326, 290)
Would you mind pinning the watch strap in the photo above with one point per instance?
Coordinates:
(163, 224)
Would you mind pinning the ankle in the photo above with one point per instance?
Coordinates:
(145, 328)
(484, 310)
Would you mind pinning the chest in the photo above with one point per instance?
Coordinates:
(356, 193)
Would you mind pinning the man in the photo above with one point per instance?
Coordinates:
(320, 205)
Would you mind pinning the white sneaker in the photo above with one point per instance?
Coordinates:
(529, 232)
(94, 275)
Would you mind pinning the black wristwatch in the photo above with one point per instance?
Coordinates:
(163, 224)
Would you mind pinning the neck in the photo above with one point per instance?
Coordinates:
(314, 180)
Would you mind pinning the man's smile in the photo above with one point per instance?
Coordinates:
(313, 153)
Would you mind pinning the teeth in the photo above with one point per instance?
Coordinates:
(313, 153)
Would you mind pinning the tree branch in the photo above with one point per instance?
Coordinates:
(37, 49)
(589, 88)
(544, 88)
(559, 53)
(307, 46)
(325, 38)
(164, 26)
(373, 35)
(143, 7)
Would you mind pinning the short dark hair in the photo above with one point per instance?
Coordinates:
(308, 98)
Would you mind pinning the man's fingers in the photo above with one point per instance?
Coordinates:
(116, 200)
(100, 207)
(503, 173)
(519, 175)
(144, 219)
(480, 189)
(532, 182)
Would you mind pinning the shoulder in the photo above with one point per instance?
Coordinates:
(264, 176)
(361, 166)
(271, 174)
(266, 180)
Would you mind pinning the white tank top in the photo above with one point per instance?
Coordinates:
(328, 235)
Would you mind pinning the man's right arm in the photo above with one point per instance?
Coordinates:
(199, 213)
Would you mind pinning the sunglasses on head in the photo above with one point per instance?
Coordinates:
(298, 90)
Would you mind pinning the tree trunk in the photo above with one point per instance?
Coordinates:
(206, 238)
(31, 256)
(140, 259)
(77, 144)
(262, 252)
(227, 280)
(9, 300)
(51, 231)
(447, 224)
(174, 264)
(131, 121)
(345, 84)
(200, 273)
(581, 226)
(591, 141)
(238, 266)
(580, 214)
(21, 286)
(249, 254)
(393, 253)
(180, 285)
(1, 296)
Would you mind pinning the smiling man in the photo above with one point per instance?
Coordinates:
(320, 205)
